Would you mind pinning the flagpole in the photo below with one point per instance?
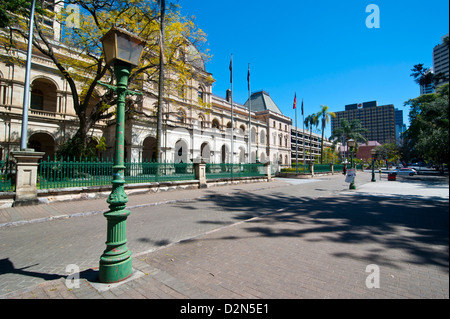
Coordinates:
(296, 143)
(249, 119)
(303, 114)
(26, 95)
(232, 115)
(296, 135)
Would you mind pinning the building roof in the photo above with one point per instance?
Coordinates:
(194, 57)
(261, 101)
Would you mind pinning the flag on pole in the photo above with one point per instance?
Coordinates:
(295, 101)
(302, 106)
(231, 69)
(248, 77)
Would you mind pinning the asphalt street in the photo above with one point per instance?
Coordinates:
(308, 238)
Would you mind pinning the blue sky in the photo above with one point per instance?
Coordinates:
(320, 50)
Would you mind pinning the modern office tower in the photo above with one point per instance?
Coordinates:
(378, 120)
(400, 127)
(429, 88)
(440, 60)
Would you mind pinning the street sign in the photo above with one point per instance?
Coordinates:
(351, 173)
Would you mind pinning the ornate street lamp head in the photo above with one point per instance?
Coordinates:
(351, 143)
(121, 45)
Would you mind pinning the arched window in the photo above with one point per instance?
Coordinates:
(42, 142)
(253, 135)
(205, 152)
(200, 95)
(262, 137)
(37, 99)
(215, 124)
(44, 95)
(201, 119)
(181, 91)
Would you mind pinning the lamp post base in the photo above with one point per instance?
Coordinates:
(116, 263)
(115, 272)
(352, 184)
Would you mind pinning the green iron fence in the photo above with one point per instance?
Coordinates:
(61, 174)
(7, 169)
(322, 168)
(216, 171)
(338, 168)
(301, 169)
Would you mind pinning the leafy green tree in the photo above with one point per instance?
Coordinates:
(428, 133)
(390, 152)
(324, 116)
(423, 77)
(349, 130)
(82, 63)
(11, 10)
(310, 121)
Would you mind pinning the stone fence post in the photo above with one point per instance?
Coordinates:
(267, 168)
(311, 168)
(26, 176)
(200, 174)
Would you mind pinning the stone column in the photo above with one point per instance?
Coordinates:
(26, 176)
(267, 168)
(311, 168)
(200, 174)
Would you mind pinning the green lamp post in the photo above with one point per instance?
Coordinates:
(351, 143)
(122, 49)
(373, 152)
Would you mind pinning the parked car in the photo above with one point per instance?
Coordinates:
(405, 171)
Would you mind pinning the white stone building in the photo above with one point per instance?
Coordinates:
(196, 123)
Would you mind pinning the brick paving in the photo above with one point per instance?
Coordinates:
(312, 240)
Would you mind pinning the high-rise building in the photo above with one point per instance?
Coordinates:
(378, 120)
(429, 88)
(440, 60)
(400, 127)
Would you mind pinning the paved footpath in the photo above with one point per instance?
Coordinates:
(286, 239)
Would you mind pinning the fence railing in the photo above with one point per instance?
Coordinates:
(338, 167)
(319, 168)
(6, 171)
(61, 174)
(301, 169)
(224, 170)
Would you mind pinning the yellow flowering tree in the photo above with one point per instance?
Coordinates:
(79, 55)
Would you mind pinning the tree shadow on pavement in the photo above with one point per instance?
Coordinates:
(415, 226)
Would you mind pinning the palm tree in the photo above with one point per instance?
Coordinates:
(310, 121)
(325, 115)
(349, 130)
